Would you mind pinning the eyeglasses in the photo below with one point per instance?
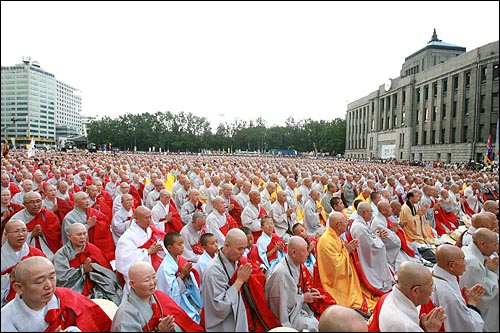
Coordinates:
(32, 202)
(18, 231)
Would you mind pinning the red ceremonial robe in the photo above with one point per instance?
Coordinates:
(306, 282)
(51, 229)
(14, 189)
(168, 306)
(12, 208)
(175, 224)
(155, 258)
(230, 224)
(63, 208)
(100, 235)
(97, 256)
(77, 310)
(373, 322)
(236, 212)
(258, 312)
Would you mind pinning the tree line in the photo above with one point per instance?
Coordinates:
(186, 132)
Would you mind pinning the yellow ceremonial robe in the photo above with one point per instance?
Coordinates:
(337, 273)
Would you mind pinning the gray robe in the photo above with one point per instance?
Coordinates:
(107, 285)
(224, 307)
(74, 216)
(132, 314)
(285, 300)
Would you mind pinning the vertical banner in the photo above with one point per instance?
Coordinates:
(31, 150)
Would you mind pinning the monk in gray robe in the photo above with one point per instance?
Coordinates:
(83, 267)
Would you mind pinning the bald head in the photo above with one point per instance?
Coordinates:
(446, 253)
(79, 196)
(491, 206)
(235, 235)
(338, 318)
(484, 235)
(296, 242)
(13, 225)
(335, 218)
(25, 268)
(411, 274)
(31, 196)
(139, 269)
(75, 228)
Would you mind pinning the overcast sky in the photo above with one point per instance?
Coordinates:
(233, 60)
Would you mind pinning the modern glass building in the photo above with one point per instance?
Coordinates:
(443, 106)
(34, 104)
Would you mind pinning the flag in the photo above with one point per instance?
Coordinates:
(31, 150)
(488, 157)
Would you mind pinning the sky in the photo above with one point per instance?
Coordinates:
(233, 61)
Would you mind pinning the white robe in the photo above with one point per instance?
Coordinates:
(120, 222)
(392, 242)
(215, 221)
(282, 222)
(223, 304)
(459, 318)
(372, 256)
(477, 272)
(190, 237)
(128, 251)
(243, 199)
(285, 300)
(250, 217)
(399, 314)
(311, 219)
(187, 211)
(159, 212)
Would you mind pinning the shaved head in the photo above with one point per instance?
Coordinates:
(338, 318)
(411, 274)
(446, 253)
(24, 269)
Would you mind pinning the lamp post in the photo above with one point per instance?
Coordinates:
(14, 120)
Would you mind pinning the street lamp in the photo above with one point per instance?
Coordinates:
(14, 120)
